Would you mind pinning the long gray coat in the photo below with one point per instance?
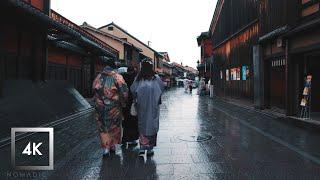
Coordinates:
(148, 94)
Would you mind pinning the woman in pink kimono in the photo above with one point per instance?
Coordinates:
(111, 93)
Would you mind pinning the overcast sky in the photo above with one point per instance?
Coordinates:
(171, 25)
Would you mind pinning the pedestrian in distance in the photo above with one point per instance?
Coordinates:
(147, 89)
(202, 87)
(130, 123)
(110, 95)
(190, 87)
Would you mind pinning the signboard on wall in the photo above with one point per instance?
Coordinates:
(233, 74)
(306, 98)
(245, 73)
(227, 74)
(238, 74)
(279, 42)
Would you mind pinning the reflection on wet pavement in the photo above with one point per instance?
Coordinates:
(243, 145)
(236, 151)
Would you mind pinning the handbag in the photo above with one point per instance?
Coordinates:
(133, 110)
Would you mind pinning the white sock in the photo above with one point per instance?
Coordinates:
(106, 151)
(118, 149)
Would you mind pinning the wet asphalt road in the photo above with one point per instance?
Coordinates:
(242, 144)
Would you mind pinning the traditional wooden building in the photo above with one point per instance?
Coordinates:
(234, 32)
(191, 72)
(205, 65)
(158, 63)
(128, 53)
(168, 77)
(263, 51)
(23, 35)
(289, 40)
(178, 70)
(166, 69)
(147, 51)
(76, 58)
(38, 44)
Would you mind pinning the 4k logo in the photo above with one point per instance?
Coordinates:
(35, 150)
(32, 149)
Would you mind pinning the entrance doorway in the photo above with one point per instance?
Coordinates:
(277, 84)
(313, 68)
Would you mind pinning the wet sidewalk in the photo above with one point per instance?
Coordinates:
(199, 138)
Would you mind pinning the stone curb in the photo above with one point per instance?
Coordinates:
(304, 123)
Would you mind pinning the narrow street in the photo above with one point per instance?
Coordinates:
(255, 64)
(234, 143)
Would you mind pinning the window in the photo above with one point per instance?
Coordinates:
(110, 28)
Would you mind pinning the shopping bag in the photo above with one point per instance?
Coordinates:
(133, 110)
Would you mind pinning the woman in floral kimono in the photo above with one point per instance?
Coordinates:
(111, 92)
(147, 89)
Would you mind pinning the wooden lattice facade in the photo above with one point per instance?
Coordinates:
(262, 51)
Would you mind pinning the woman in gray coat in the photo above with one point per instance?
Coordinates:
(147, 89)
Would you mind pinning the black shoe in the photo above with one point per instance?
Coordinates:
(141, 152)
(150, 152)
(132, 143)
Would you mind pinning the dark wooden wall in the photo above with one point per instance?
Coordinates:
(235, 53)
(206, 49)
(69, 66)
(272, 15)
(23, 51)
(233, 38)
(278, 13)
(1, 63)
(235, 15)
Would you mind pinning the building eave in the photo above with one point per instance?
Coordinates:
(303, 27)
(124, 31)
(274, 34)
(216, 15)
(51, 23)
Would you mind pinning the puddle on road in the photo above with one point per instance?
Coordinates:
(195, 138)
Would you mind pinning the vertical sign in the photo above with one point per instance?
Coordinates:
(237, 74)
(306, 98)
(244, 73)
(227, 74)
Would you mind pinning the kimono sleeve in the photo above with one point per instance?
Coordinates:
(97, 84)
(96, 87)
(160, 83)
(122, 87)
(134, 87)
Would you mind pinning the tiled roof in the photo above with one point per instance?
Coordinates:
(126, 32)
(87, 26)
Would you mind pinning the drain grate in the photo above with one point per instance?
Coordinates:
(195, 138)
